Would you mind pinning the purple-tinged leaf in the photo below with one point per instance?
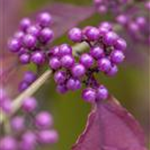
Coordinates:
(66, 16)
(111, 127)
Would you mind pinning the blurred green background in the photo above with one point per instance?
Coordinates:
(130, 87)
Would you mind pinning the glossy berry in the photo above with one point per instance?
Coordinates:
(78, 70)
(73, 84)
(86, 60)
(17, 124)
(117, 57)
(113, 71)
(65, 49)
(14, 45)
(25, 23)
(97, 52)
(61, 88)
(47, 137)
(29, 77)
(54, 63)
(29, 41)
(120, 44)
(38, 57)
(67, 61)
(44, 19)
(75, 34)
(46, 35)
(19, 35)
(92, 34)
(43, 120)
(34, 30)
(102, 93)
(24, 58)
(89, 95)
(60, 77)
(28, 141)
(8, 143)
(23, 86)
(104, 64)
(110, 38)
(29, 104)
(106, 25)
(7, 106)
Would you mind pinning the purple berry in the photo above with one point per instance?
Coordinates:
(106, 25)
(89, 95)
(133, 27)
(47, 137)
(78, 70)
(44, 19)
(97, 52)
(25, 23)
(8, 143)
(38, 57)
(54, 63)
(28, 141)
(113, 71)
(67, 61)
(122, 19)
(22, 51)
(29, 104)
(92, 34)
(7, 106)
(17, 124)
(60, 77)
(65, 49)
(141, 21)
(29, 77)
(73, 84)
(29, 41)
(61, 88)
(102, 9)
(24, 58)
(14, 45)
(33, 30)
(55, 51)
(102, 93)
(103, 31)
(46, 35)
(104, 64)
(120, 44)
(117, 56)
(75, 34)
(23, 86)
(19, 35)
(110, 38)
(43, 120)
(86, 60)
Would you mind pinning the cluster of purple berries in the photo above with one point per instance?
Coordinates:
(29, 129)
(32, 39)
(104, 6)
(28, 79)
(136, 22)
(106, 52)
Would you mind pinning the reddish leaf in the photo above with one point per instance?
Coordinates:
(111, 127)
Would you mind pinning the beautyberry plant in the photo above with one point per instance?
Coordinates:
(96, 50)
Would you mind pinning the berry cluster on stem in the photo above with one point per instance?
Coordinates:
(28, 129)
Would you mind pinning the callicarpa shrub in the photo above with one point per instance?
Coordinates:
(95, 50)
